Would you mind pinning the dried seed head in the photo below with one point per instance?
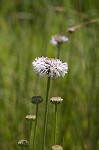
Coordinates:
(23, 143)
(36, 99)
(56, 100)
(57, 147)
(30, 117)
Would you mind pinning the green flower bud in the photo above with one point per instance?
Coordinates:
(36, 99)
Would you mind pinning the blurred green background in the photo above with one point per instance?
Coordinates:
(26, 28)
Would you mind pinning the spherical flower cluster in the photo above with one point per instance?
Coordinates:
(44, 66)
(56, 39)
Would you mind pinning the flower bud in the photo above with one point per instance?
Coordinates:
(23, 143)
(36, 99)
(56, 100)
(30, 117)
(57, 147)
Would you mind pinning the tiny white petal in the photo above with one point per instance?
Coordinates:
(65, 39)
(53, 41)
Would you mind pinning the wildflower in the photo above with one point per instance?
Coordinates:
(44, 66)
(57, 147)
(36, 99)
(23, 143)
(56, 39)
(56, 100)
(30, 117)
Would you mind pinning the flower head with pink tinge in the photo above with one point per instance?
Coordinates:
(56, 39)
(50, 67)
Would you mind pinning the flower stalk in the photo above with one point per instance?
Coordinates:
(35, 126)
(30, 134)
(46, 113)
(55, 124)
(58, 50)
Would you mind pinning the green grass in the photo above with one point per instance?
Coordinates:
(24, 37)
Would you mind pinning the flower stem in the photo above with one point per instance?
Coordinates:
(46, 113)
(58, 50)
(30, 126)
(35, 125)
(55, 124)
(30, 134)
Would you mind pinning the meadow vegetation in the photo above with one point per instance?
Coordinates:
(26, 28)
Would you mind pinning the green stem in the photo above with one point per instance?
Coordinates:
(30, 134)
(35, 125)
(30, 126)
(46, 113)
(58, 50)
(55, 124)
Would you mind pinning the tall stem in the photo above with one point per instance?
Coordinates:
(58, 50)
(30, 134)
(46, 113)
(55, 124)
(30, 126)
(35, 125)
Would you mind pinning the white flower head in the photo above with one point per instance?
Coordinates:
(30, 117)
(56, 39)
(57, 147)
(23, 143)
(56, 100)
(50, 67)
